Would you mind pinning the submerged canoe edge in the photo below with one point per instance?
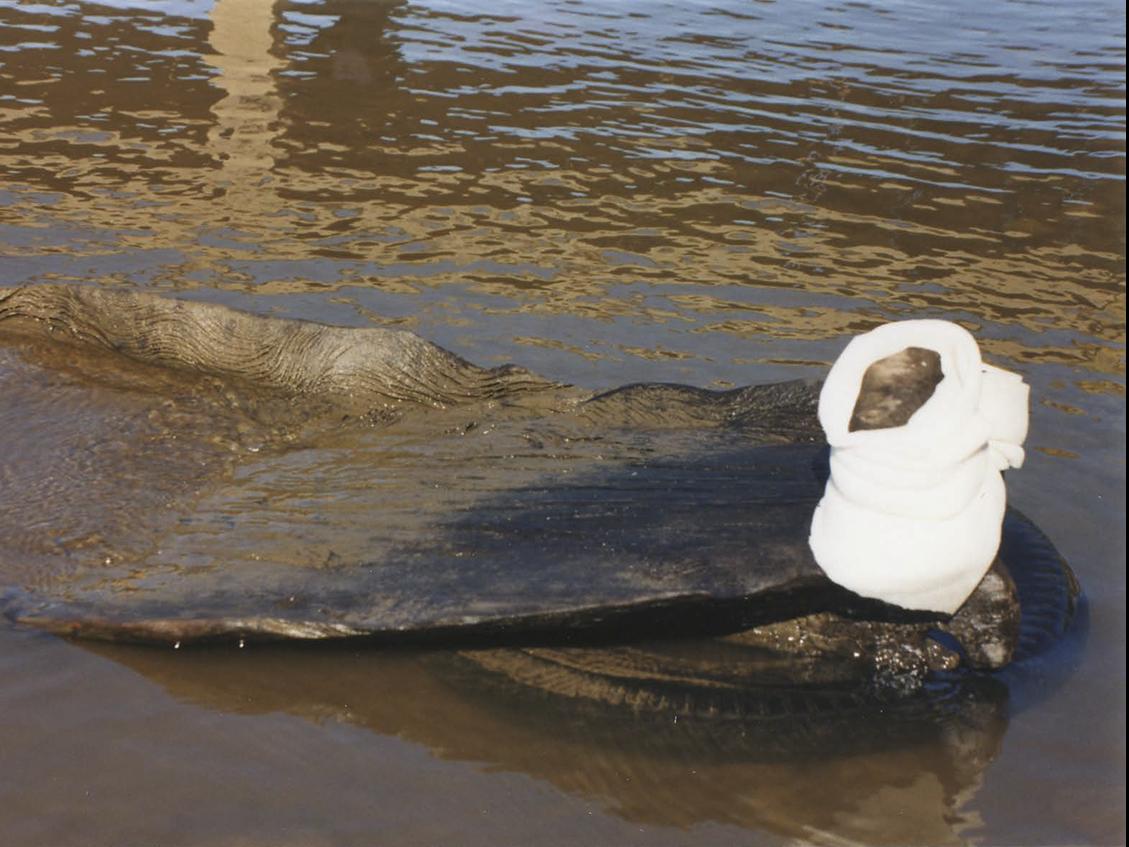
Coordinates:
(687, 543)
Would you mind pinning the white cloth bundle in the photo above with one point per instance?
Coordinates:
(912, 514)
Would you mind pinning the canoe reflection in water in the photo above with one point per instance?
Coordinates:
(670, 734)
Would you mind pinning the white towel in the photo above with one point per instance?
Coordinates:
(912, 514)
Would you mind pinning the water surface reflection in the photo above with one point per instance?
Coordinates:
(546, 157)
(711, 194)
(673, 769)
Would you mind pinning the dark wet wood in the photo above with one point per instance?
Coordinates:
(671, 547)
(368, 370)
(811, 666)
(711, 542)
(648, 510)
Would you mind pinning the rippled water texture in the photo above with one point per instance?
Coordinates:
(604, 193)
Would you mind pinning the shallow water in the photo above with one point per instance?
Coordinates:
(716, 195)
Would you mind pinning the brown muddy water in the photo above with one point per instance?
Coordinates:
(604, 193)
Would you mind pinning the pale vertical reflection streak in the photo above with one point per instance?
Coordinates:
(247, 116)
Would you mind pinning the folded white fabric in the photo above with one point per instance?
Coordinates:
(912, 514)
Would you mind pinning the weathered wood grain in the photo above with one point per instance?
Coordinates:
(339, 482)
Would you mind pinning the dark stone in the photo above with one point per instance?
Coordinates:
(895, 387)
(987, 625)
